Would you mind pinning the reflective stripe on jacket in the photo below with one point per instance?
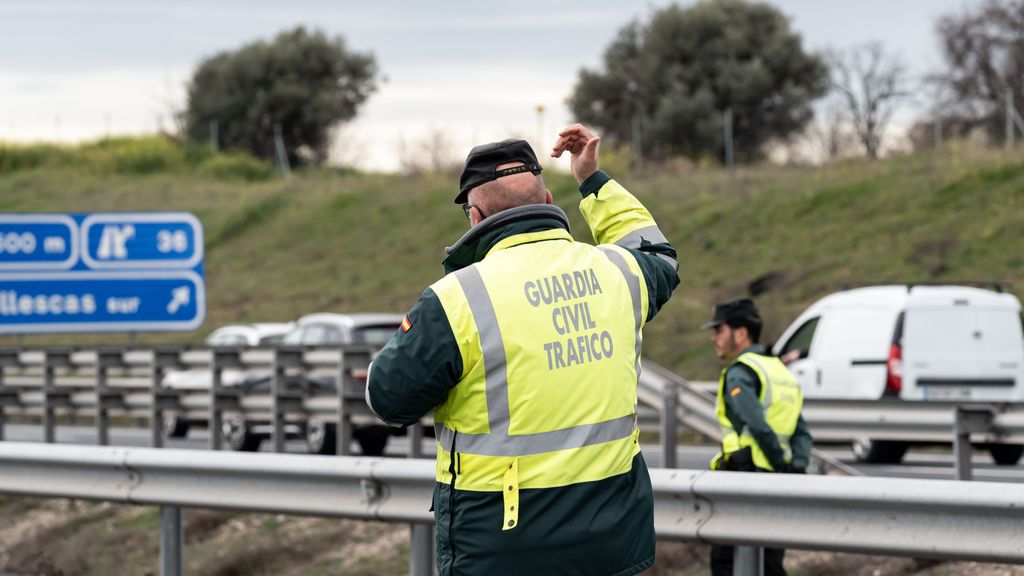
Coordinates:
(550, 364)
(781, 399)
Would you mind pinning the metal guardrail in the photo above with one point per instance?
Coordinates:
(677, 400)
(920, 518)
(126, 381)
(845, 420)
(131, 382)
(914, 421)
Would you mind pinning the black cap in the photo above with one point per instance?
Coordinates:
(483, 160)
(733, 309)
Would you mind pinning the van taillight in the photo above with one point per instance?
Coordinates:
(894, 370)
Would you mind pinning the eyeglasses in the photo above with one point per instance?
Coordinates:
(467, 207)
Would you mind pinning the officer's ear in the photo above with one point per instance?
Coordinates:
(549, 198)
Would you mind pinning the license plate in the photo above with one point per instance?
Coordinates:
(946, 393)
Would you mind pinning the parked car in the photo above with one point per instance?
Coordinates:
(232, 335)
(322, 329)
(910, 343)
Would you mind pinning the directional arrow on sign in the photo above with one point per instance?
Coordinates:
(179, 297)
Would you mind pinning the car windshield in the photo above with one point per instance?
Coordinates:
(227, 339)
(375, 335)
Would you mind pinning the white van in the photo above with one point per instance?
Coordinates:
(916, 343)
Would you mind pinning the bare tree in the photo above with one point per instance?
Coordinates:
(984, 53)
(432, 153)
(831, 132)
(873, 84)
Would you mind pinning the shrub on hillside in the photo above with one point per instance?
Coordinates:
(124, 155)
(27, 156)
(235, 166)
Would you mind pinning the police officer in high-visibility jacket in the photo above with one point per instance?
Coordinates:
(758, 410)
(528, 353)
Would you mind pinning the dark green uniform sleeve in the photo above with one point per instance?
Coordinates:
(414, 371)
(801, 444)
(621, 219)
(744, 409)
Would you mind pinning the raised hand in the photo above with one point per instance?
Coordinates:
(582, 144)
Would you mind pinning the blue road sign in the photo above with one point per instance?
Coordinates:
(101, 302)
(101, 272)
(38, 242)
(141, 240)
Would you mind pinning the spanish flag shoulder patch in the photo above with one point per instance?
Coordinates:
(406, 324)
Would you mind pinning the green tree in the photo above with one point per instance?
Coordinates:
(302, 81)
(667, 84)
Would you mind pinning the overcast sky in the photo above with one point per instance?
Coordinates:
(72, 70)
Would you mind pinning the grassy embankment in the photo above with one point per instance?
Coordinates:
(324, 241)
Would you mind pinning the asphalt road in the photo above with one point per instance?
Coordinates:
(921, 463)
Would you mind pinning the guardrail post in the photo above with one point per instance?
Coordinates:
(159, 398)
(49, 376)
(280, 400)
(3, 399)
(7, 358)
(343, 430)
(349, 360)
(52, 359)
(748, 561)
(416, 440)
(669, 427)
(220, 360)
(276, 417)
(102, 428)
(172, 538)
(966, 421)
(421, 550)
(104, 360)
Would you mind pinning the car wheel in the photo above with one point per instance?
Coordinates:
(878, 451)
(372, 439)
(238, 435)
(321, 437)
(1006, 454)
(174, 426)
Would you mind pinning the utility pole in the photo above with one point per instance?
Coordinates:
(1010, 135)
(214, 137)
(282, 155)
(727, 125)
(633, 97)
(540, 133)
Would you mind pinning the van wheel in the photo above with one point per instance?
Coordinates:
(238, 435)
(878, 451)
(174, 426)
(372, 439)
(1006, 454)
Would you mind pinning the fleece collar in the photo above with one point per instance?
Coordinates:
(478, 241)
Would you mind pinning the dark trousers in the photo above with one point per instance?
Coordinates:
(721, 561)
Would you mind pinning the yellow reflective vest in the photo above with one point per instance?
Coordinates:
(781, 399)
(549, 331)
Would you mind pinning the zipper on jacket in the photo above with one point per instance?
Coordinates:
(453, 458)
